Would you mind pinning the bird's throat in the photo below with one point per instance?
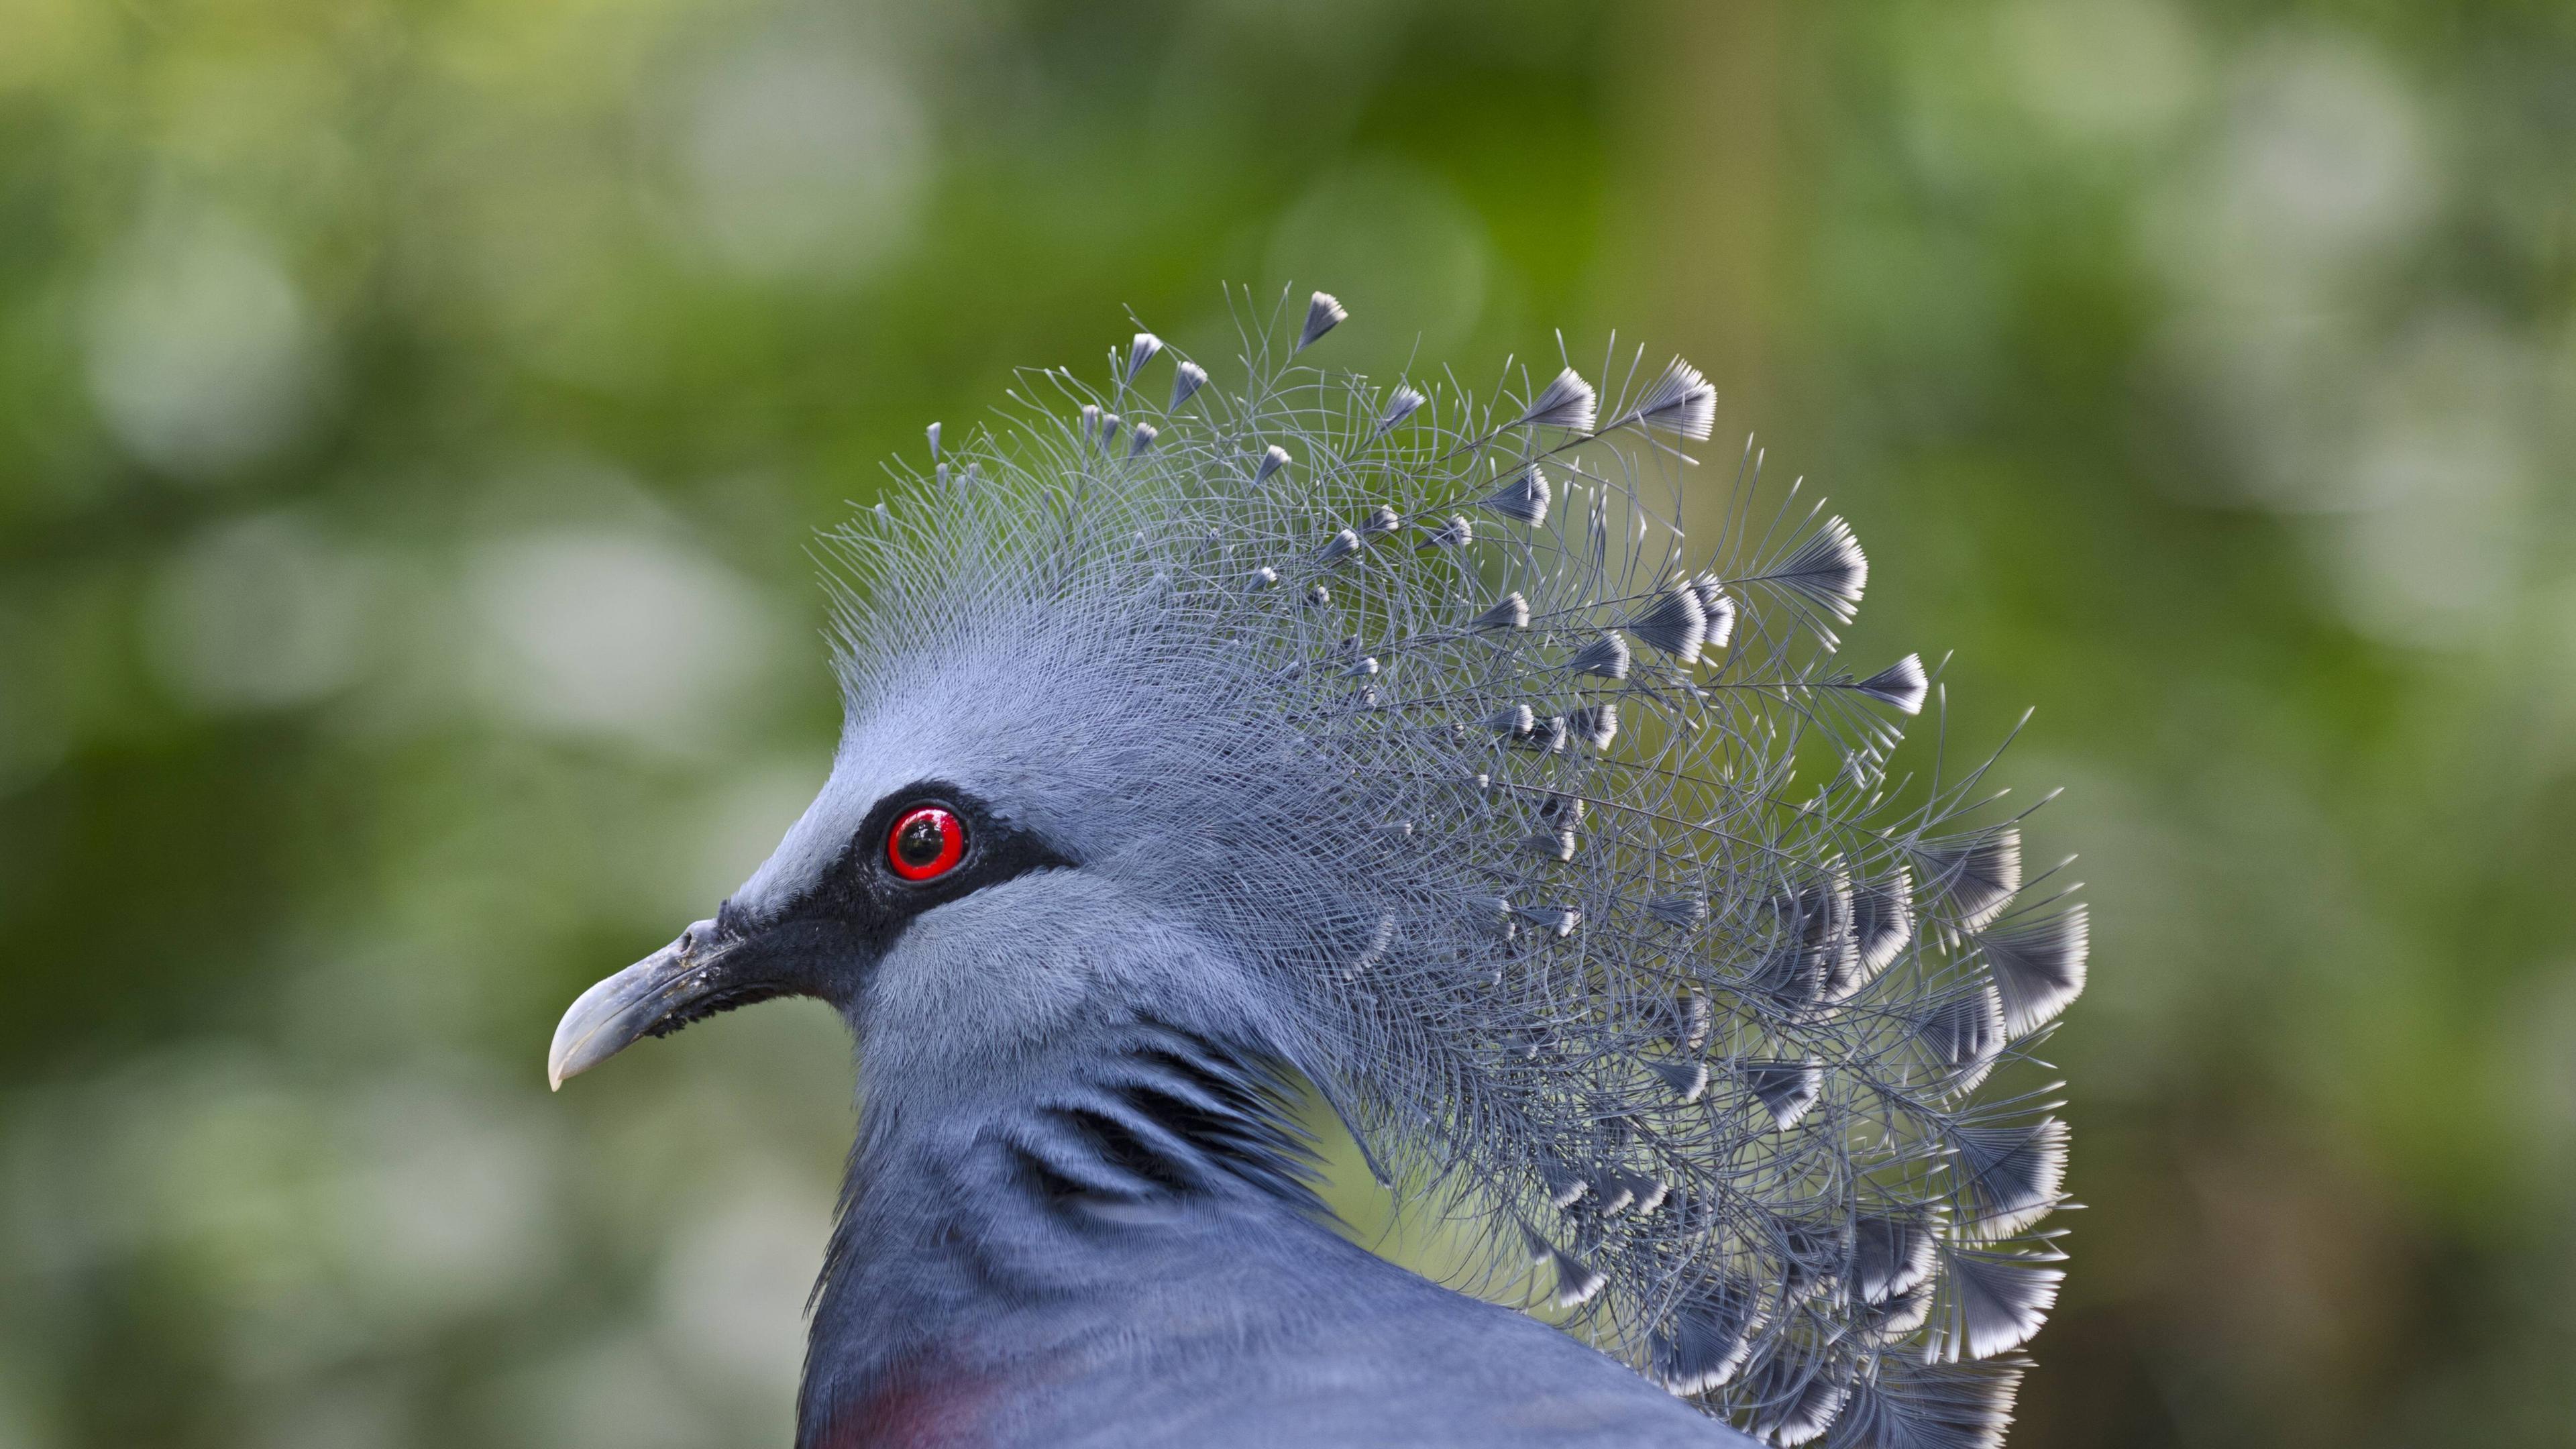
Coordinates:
(965, 1222)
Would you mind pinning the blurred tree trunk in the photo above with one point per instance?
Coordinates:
(1692, 256)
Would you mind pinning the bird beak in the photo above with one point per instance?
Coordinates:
(657, 995)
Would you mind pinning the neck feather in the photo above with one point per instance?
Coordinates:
(1055, 1185)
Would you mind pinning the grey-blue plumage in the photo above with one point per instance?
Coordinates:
(1111, 1245)
(1629, 960)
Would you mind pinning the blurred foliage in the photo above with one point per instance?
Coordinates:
(413, 414)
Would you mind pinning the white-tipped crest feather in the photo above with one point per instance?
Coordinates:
(1140, 352)
(1681, 401)
(1323, 314)
(1566, 402)
(1523, 497)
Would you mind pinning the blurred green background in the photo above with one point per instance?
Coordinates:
(414, 415)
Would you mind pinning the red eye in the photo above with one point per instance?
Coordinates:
(926, 843)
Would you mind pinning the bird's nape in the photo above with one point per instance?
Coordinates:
(1202, 737)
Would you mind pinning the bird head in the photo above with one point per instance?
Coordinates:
(1406, 740)
(1030, 826)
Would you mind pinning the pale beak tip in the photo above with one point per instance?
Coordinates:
(563, 1061)
(609, 1016)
